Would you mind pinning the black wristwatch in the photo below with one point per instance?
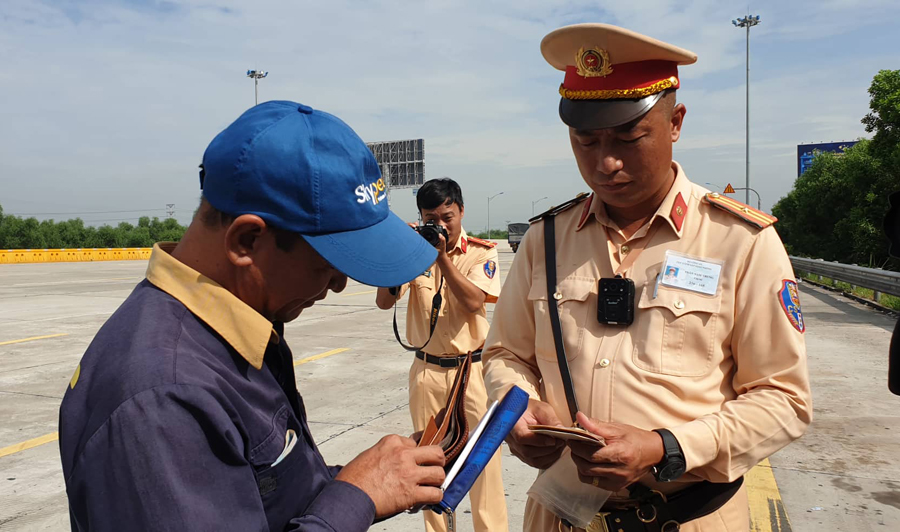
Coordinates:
(673, 464)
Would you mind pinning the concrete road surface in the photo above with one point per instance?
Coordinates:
(840, 476)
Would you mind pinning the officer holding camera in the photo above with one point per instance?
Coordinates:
(466, 276)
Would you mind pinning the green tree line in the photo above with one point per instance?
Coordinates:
(496, 234)
(29, 233)
(837, 207)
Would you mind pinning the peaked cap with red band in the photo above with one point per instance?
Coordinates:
(613, 75)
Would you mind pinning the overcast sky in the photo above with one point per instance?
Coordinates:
(107, 105)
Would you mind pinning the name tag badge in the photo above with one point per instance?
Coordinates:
(691, 273)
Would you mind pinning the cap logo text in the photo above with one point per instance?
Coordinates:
(373, 192)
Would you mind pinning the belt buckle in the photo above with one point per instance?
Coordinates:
(598, 523)
(448, 362)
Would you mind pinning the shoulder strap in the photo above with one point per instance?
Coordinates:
(550, 265)
(486, 243)
(432, 319)
(552, 211)
(744, 212)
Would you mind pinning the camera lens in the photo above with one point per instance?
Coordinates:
(429, 232)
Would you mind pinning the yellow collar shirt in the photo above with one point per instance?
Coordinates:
(458, 331)
(724, 371)
(245, 329)
(168, 426)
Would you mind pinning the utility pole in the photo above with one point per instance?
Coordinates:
(747, 22)
(256, 75)
(534, 202)
(489, 213)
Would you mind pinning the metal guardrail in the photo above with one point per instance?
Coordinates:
(883, 281)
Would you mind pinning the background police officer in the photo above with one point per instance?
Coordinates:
(467, 274)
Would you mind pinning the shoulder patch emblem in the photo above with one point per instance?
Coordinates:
(789, 298)
(490, 268)
(744, 212)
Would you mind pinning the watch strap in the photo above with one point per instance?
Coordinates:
(670, 443)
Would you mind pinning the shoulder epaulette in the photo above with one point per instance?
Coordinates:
(552, 211)
(744, 212)
(486, 243)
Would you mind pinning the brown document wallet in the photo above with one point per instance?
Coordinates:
(449, 427)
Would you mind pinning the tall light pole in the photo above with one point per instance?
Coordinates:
(747, 22)
(536, 201)
(489, 213)
(256, 75)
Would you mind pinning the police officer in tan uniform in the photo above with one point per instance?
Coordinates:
(709, 376)
(467, 274)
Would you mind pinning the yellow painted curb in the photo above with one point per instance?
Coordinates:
(31, 256)
(767, 513)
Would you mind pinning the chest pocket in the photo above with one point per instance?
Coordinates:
(423, 289)
(288, 488)
(576, 305)
(675, 332)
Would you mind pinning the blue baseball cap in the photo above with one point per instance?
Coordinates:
(306, 171)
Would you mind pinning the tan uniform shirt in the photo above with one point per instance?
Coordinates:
(457, 331)
(726, 373)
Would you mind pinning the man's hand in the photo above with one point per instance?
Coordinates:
(443, 257)
(535, 450)
(470, 297)
(629, 454)
(397, 475)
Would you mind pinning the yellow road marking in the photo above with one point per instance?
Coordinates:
(25, 445)
(33, 338)
(80, 281)
(321, 355)
(767, 513)
(12, 449)
(359, 293)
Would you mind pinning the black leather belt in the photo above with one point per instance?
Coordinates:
(655, 512)
(447, 362)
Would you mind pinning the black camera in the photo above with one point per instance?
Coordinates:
(431, 232)
(616, 302)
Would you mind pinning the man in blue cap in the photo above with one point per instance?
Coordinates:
(184, 413)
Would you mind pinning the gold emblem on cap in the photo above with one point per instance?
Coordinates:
(592, 63)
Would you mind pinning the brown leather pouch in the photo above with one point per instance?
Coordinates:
(449, 427)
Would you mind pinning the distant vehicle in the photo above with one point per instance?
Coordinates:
(516, 232)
